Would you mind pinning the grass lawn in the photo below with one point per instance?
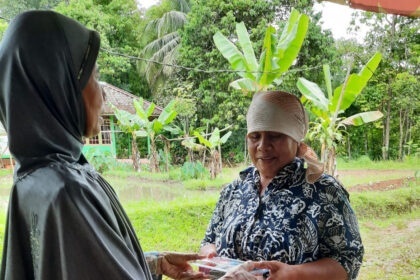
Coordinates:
(170, 214)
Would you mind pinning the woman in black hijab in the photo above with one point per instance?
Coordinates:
(64, 220)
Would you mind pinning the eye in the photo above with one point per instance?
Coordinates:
(253, 136)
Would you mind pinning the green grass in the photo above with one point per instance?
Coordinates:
(352, 180)
(410, 163)
(175, 226)
(385, 204)
(392, 247)
(4, 172)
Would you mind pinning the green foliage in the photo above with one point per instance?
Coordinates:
(327, 126)
(277, 54)
(11, 8)
(193, 170)
(100, 159)
(118, 23)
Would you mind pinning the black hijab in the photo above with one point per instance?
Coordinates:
(64, 220)
(46, 60)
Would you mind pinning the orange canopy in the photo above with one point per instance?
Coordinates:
(398, 7)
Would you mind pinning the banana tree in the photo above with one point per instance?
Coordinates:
(155, 127)
(328, 126)
(130, 123)
(214, 142)
(277, 54)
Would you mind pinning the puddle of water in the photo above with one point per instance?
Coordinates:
(157, 194)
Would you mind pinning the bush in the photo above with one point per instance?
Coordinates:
(101, 160)
(193, 170)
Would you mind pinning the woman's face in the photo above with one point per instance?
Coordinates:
(92, 95)
(270, 151)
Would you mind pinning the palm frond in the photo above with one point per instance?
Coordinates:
(170, 22)
(159, 43)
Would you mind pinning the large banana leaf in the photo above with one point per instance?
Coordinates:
(190, 144)
(215, 137)
(128, 122)
(225, 137)
(138, 104)
(362, 118)
(312, 92)
(168, 113)
(355, 84)
(244, 84)
(291, 40)
(370, 67)
(246, 46)
(266, 59)
(150, 110)
(203, 140)
(232, 54)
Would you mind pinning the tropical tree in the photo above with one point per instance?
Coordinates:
(130, 123)
(155, 127)
(213, 145)
(164, 48)
(277, 54)
(327, 108)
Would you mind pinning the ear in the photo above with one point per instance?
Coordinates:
(301, 149)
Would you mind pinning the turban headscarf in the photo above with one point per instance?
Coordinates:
(284, 113)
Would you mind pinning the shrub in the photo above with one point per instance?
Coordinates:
(193, 170)
(101, 160)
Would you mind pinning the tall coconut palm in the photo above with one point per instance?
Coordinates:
(164, 48)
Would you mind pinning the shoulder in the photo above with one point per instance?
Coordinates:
(331, 190)
(246, 176)
(55, 182)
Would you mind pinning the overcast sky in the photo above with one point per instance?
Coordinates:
(334, 17)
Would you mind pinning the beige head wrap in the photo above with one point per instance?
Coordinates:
(283, 112)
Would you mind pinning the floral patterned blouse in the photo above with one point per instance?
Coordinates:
(293, 221)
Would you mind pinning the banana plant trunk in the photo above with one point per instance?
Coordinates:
(214, 164)
(135, 154)
(330, 165)
(154, 162)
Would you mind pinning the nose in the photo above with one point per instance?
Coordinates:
(264, 143)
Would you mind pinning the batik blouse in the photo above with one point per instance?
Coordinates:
(292, 221)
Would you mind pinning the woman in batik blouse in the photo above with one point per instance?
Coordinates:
(283, 210)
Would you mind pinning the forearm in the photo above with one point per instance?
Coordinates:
(322, 269)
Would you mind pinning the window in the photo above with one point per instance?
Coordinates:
(106, 130)
(94, 140)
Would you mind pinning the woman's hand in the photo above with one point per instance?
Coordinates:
(175, 265)
(241, 272)
(208, 251)
(278, 270)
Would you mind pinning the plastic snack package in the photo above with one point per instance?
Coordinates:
(216, 267)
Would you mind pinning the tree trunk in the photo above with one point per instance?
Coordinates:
(409, 137)
(167, 151)
(154, 162)
(205, 150)
(135, 155)
(407, 121)
(214, 164)
(402, 120)
(385, 152)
